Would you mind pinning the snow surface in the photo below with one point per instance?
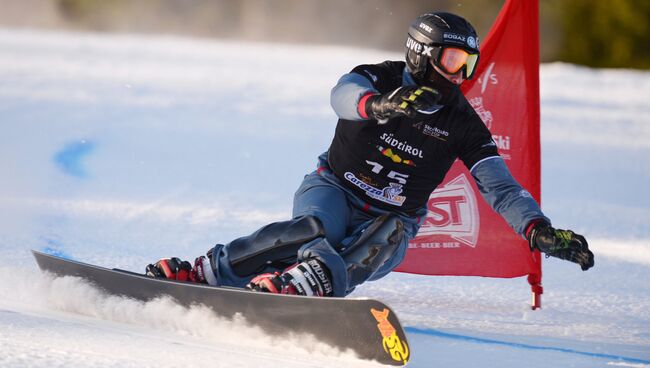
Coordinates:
(119, 150)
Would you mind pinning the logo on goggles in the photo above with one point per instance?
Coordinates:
(417, 47)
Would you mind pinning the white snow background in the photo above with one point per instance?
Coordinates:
(118, 150)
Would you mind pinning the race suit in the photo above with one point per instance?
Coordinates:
(373, 169)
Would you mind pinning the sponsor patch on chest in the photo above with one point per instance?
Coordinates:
(435, 132)
(400, 145)
(432, 131)
(389, 194)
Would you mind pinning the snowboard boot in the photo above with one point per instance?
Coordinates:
(309, 278)
(176, 269)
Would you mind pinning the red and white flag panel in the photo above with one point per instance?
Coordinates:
(462, 235)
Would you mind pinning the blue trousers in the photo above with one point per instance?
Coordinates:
(344, 216)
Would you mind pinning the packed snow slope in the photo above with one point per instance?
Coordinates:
(119, 150)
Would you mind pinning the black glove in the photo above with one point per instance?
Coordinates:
(563, 244)
(410, 101)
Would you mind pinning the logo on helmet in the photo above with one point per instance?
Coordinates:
(454, 37)
(472, 42)
(426, 27)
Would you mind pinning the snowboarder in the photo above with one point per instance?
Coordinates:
(401, 126)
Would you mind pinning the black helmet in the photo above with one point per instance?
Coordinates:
(430, 33)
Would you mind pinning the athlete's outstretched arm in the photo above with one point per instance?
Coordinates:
(505, 195)
(345, 96)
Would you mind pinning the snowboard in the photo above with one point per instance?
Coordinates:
(366, 326)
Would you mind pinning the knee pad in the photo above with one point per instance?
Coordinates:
(374, 247)
(275, 245)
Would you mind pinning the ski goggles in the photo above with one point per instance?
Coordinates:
(452, 60)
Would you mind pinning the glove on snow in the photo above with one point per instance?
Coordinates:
(410, 101)
(563, 244)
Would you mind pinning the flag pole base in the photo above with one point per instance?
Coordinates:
(537, 297)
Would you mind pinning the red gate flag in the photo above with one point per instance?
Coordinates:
(462, 235)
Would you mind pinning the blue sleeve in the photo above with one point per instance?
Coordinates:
(506, 196)
(346, 94)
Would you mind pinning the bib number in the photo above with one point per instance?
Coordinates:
(377, 168)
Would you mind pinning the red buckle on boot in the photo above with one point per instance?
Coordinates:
(271, 283)
(175, 269)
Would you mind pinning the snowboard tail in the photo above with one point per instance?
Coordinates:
(366, 326)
